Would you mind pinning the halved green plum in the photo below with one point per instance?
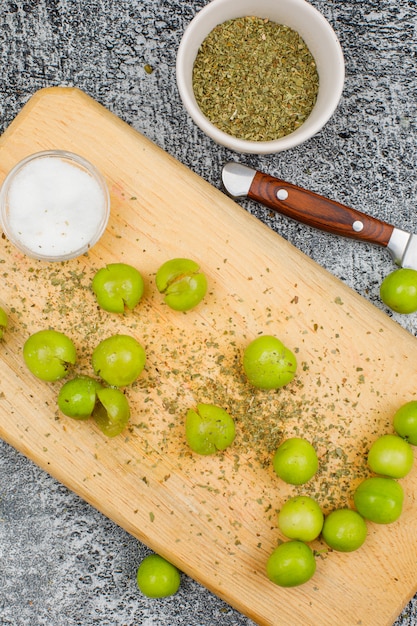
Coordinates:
(112, 411)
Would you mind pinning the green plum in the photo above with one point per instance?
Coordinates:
(344, 530)
(391, 455)
(301, 518)
(157, 578)
(182, 283)
(268, 364)
(49, 354)
(405, 422)
(208, 429)
(399, 290)
(3, 322)
(117, 286)
(379, 499)
(77, 397)
(119, 360)
(291, 564)
(295, 461)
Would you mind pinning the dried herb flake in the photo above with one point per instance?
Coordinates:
(255, 79)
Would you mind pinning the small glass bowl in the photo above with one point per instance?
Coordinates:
(54, 205)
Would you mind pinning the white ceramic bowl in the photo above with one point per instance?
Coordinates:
(296, 14)
(54, 205)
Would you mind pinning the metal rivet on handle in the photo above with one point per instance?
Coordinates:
(282, 194)
(357, 226)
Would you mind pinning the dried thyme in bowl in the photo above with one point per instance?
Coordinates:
(255, 79)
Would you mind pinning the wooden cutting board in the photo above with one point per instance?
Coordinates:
(214, 517)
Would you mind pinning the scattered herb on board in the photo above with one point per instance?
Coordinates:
(255, 79)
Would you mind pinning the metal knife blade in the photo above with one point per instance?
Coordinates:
(315, 210)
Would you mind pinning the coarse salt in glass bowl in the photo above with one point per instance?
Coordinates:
(54, 205)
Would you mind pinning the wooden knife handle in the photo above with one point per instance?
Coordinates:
(315, 210)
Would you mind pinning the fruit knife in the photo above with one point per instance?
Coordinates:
(319, 212)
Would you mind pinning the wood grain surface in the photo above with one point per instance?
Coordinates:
(214, 517)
